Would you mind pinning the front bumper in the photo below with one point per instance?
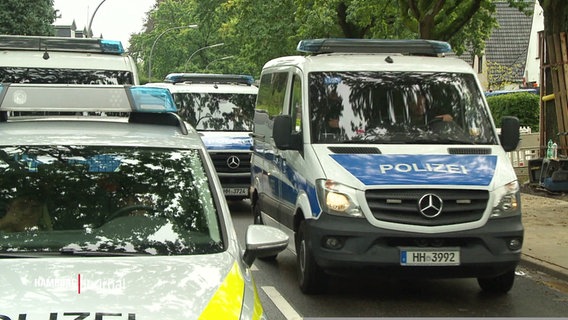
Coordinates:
(484, 252)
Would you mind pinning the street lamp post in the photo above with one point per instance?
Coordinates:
(223, 58)
(89, 31)
(156, 40)
(203, 48)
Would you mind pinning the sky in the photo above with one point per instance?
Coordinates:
(115, 19)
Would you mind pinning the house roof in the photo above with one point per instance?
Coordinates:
(508, 43)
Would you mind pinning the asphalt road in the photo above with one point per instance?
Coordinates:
(534, 294)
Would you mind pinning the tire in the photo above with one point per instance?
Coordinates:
(499, 284)
(311, 277)
(256, 216)
(257, 219)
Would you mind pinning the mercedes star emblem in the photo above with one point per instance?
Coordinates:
(233, 162)
(430, 205)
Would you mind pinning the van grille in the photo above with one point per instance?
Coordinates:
(225, 162)
(401, 206)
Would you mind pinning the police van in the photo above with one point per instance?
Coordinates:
(119, 216)
(221, 108)
(380, 157)
(63, 60)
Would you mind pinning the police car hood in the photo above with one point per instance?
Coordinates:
(415, 165)
(226, 140)
(142, 287)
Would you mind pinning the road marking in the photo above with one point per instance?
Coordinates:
(253, 268)
(281, 303)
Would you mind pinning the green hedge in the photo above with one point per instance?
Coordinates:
(522, 105)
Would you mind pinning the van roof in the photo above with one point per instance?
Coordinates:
(50, 44)
(342, 54)
(371, 62)
(206, 88)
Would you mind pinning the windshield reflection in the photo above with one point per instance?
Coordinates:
(217, 111)
(103, 199)
(398, 107)
(65, 76)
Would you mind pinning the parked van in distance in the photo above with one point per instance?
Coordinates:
(62, 60)
(221, 108)
(380, 157)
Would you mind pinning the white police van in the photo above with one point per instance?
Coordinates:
(110, 208)
(381, 156)
(221, 108)
(43, 59)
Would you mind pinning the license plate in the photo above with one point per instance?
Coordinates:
(235, 191)
(429, 256)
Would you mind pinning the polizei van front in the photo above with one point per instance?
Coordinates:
(382, 158)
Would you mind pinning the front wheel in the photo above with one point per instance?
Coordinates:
(499, 284)
(311, 277)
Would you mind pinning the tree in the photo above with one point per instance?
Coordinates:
(27, 17)
(259, 30)
(555, 16)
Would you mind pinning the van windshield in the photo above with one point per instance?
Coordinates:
(217, 111)
(398, 107)
(106, 201)
(65, 76)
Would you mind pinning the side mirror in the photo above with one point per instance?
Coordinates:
(510, 133)
(282, 134)
(263, 241)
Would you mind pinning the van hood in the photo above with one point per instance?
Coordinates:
(132, 288)
(226, 140)
(414, 167)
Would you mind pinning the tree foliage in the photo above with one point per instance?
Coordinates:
(255, 31)
(27, 17)
(555, 16)
(522, 105)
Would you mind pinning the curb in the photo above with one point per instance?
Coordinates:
(544, 266)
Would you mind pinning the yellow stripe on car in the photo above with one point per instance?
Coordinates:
(227, 302)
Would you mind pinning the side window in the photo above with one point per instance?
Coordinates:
(269, 102)
(296, 103)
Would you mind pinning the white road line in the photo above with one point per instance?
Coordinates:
(253, 268)
(281, 303)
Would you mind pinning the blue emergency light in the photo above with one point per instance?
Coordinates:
(345, 45)
(85, 98)
(209, 78)
(46, 43)
(152, 99)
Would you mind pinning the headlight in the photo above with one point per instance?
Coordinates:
(507, 201)
(336, 198)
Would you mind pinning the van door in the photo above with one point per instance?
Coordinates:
(267, 160)
(292, 160)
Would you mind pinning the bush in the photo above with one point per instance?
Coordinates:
(522, 105)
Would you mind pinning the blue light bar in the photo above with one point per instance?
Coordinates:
(344, 45)
(111, 46)
(85, 98)
(46, 43)
(152, 100)
(209, 78)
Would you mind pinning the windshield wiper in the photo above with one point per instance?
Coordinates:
(88, 253)
(18, 255)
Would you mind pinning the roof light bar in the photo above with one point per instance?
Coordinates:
(38, 43)
(152, 99)
(344, 45)
(83, 98)
(209, 78)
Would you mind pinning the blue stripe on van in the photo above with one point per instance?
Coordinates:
(377, 169)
